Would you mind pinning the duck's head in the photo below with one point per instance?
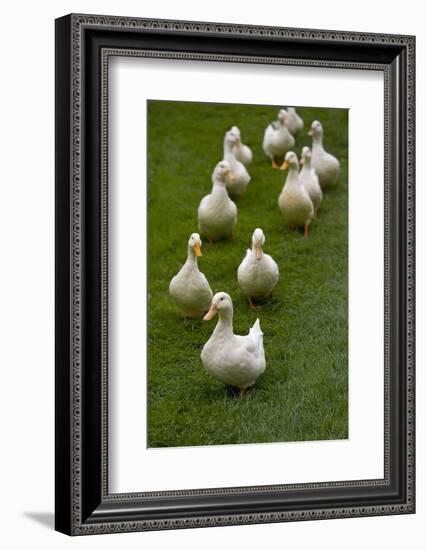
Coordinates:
(316, 129)
(235, 130)
(290, 161)
(222, 172)
(282, 116)
(306, 155)
(194, 244)
(222, 304)
(258, 240)
(232, 138)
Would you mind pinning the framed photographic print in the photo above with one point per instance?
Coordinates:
(234, 274)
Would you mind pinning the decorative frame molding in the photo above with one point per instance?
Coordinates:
(84, 43)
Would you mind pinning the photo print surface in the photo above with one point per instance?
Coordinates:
(247, 255)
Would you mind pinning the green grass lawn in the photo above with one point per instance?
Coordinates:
(303, 394)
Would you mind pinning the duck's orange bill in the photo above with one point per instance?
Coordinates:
(210, 314)
(197, 249)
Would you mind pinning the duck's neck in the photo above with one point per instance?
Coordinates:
(253, 250)
(228, 153)
(219, 190)
(224, 326)
(191, 260)
(317, 142)
(306, 165)
(227, 147)
(293, 176)
(282, 127)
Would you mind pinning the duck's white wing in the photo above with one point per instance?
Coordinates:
(245, 261)
(268, 137)
(270, 130)
(272, 266)
(204, 202)
(205, 285)
(175, 280)
(247, 154)
(252, 344)
(317, 185)
(172, 284)
(244, 270)
(245, 349)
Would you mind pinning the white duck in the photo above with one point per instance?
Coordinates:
(326, 166)
(258, 273)
(310, 179)
(239, 177)
(231, 359)
(294, 201)
(217, 214)
(190, 288)
(277, 140)
(295, 122)
(242, 152)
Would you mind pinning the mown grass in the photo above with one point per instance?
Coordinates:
(303, 394)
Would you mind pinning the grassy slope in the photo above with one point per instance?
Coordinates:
(303, 393)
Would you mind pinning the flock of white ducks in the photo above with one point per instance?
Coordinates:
(231, 359)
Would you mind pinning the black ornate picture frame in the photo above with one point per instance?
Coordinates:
(84, 43)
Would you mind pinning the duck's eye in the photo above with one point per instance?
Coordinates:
(221, 299)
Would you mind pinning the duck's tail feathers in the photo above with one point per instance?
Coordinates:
(256, 327)
(257, 334)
